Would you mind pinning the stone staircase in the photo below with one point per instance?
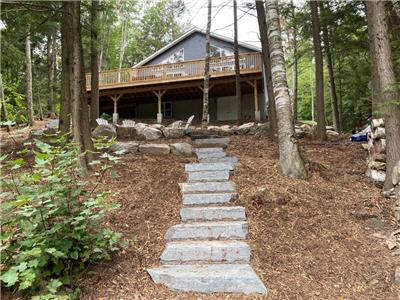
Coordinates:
(207, 253)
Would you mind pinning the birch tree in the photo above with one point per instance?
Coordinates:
(237, 65)
(28, 75)
(94, 64)
(262, 24)
(290, 161)
(206, 87)
(51, 67)
(294, 67)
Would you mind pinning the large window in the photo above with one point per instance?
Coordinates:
(219, 52)
(166, 109)
(178, 56)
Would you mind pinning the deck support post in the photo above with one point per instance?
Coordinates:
(115, 115)
(257, 113)
(159, 95)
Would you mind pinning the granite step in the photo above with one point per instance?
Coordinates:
(198, 167)
(210, 278)
(204, 176)
(208, 150)
(230, 230)
(211, 142)
(206, 251)
(227, 159)
(207, 155)
(213, 213)
(207, 187)
(206, 199)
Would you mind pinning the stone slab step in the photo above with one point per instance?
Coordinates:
(210, 213)
(214, 278)
(208, 167)
(230, 230)
(218, 154)
(207, 187)
(208, 150)
(211, 142)
(206, 251)
(233, 160)
(206, 199)
(208, 176)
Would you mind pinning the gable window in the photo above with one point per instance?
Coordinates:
(166, 109)
(219, 52)
(178, 56)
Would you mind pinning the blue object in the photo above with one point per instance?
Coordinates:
(359, 137)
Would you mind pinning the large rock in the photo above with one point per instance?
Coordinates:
(105, 131)
(127, 147)
(154, 149)
(209, 278)
(212, 142)
(52, 126)
(174, 133)
(332, 133)
(158, 126)
(176, 124)
(150, 133)
(181, 149)
(126, 132)
(262, 130)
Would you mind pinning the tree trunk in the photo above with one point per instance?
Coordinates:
(319, 72)
(29, 96)
(332, 86)
(94, 65)
(377, 13)
(80, 117)
(65, 103)
(290, 161)
(51, 62)
(375, 88)
(4, 113)
(237, 66)
(262, 24)
(294, 68)
(206, 87)
(122, 43)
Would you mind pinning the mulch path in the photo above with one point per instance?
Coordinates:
(310, 239)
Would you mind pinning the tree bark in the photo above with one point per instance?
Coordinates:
(51, 62)
(80, 118)
(206, 87)
(294, 68)
(29, 96)
(4, 113)
(122, 43)
(65, 103)
(375, 88)
(332, 86)
(319, 72)
(387, 83)
(262, 24)
(237, 66)
(94, 65)
(290, 161)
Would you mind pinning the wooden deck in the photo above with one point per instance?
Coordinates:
(175, 72)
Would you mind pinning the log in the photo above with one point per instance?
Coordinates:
(378, 133)
(377, 123)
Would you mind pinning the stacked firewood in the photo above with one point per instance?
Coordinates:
(377, 151)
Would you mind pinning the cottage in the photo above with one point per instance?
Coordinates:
(169, 83)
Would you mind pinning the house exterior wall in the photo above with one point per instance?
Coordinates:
(194, 48)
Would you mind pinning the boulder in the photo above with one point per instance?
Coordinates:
(173, 133)
(126, 132)
(176, 124)
(127, 147)
(154, 149)
(157, 126)
(245, 128)
(151, 133)
(52, 126)
(262, 130)
(105, 130)
(331, 133)
(181, 149)
(306, 128)
(298, 133)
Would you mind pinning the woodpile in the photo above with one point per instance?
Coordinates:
(377, 151)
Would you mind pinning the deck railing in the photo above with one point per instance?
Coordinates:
(176, 71)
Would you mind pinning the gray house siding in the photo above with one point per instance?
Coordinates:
(194, 48)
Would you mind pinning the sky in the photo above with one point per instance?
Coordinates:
(222, 18)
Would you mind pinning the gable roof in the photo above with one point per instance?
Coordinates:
(189, 33)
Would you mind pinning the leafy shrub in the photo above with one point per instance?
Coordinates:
(51, 223)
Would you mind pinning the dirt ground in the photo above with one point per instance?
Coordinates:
(310, 239)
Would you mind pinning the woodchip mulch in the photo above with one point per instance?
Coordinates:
(310, 239)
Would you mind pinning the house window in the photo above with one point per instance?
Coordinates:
(219, 52)
(166, 109)
(178, 56)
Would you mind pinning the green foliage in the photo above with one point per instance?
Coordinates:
(51, 223)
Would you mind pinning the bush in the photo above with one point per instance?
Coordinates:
(51, 223)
